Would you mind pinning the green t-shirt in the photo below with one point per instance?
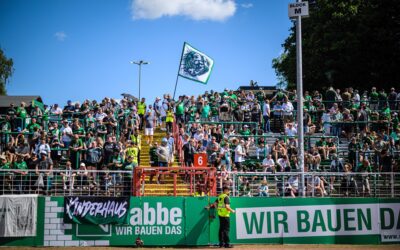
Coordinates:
(205, 111)
(245, 132)
(214, 110)
(80, 131)
(21, 112)
(374, 96)
(180, 109)
(5, 166)
(31, 127)
(20, 165)
(320, 143)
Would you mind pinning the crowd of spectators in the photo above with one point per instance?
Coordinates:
(240, 131)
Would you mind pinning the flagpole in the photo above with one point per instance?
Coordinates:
(179, 68)
(177, 78)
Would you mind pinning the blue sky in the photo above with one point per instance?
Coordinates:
(80, 49)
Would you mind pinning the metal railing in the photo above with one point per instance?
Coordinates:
(64, 182)
(318, 184)
(175, 181)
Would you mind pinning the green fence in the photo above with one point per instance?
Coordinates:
(184, 221)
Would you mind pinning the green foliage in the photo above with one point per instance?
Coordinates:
(6, 70)
(345, 43)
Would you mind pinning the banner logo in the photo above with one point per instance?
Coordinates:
(96, 210)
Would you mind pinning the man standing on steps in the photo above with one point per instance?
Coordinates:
(224, 209)
(141, 107)
(150, 120)
(137, 140)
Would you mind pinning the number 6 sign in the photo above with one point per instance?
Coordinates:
(200, 160)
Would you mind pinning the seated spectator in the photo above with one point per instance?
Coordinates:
(68, 177)
(322, 147)
(282, 164)
(20, 173)
(268, 164)
(292, 186)
(263, 190)
(82, 176)
(317, 186)
(290, 130)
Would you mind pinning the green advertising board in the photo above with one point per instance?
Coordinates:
(171, 221)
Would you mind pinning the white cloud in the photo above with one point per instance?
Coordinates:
(246, 5)
(60, 35)
(215, 10)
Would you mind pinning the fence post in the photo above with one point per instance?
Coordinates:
(392, 183)
(234, 184)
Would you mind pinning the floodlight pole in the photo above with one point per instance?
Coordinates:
(300, 126)
(139, 63)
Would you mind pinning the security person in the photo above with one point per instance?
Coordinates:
(224, 209)
(141, 108)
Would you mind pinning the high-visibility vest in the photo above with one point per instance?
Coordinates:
(141, 108)
(137, 140)
(222, 211)
(170, 117)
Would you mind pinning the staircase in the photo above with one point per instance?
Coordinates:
(167, 186)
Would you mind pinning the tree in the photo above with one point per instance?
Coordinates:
(6, 70)
(345, 43)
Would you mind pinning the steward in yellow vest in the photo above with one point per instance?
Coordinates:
(141, 109)
(224, 209)
(137, 140)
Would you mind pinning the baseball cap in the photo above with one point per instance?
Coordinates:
(43, 152)
(83, 164)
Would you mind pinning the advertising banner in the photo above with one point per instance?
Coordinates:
(96, 210)
(172, 221)
(18, 216)
(315, 220)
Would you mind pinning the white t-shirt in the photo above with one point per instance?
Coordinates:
(266, 109)
(287, 108)
(238, 151)
(268, 162)
(290, 131)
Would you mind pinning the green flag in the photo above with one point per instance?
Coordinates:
(195, 65)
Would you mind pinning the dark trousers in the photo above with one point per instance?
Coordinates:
(224, 225)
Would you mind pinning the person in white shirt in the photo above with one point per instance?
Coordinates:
(287, 108)
(66, 134)
(283, 163)
(266, 116)
(326, 119)
(277, 109)
(240, 154)
(269, 164)
(290, 130)
(292, 186)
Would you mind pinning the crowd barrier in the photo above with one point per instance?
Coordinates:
(186, 221)
(317, 184)
(190, 181)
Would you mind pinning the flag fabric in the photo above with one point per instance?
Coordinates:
(37, 103)
(195, 65)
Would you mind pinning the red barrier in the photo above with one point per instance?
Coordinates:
(206, 174)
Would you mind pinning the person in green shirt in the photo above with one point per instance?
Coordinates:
(4, 175)
(245, 131)
(322, 147)
(214, 111)
(205, 111)
(21, 114)
(180, 111)
(373, 99)
(115, 165)
(20, 172)
(74, 150)
(31, 127)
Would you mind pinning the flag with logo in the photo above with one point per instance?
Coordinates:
(195, 65)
